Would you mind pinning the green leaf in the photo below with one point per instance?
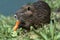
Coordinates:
(52, 30)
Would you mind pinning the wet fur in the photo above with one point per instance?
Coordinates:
(35, 15)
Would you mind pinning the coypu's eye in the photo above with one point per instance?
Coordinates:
(15, 16)
(29, 8)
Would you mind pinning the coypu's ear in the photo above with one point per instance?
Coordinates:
(29, 11)
(29, 8)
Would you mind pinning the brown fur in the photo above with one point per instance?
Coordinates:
(35, 15)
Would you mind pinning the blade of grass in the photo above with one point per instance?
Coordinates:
(52, 30)
(41, 34)
(57, 37)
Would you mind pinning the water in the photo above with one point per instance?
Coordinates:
(8, 7)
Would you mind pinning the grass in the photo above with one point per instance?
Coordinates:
(47, 32)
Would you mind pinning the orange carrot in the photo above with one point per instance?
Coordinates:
(16, 25)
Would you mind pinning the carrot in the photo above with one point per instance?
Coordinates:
(16, 25)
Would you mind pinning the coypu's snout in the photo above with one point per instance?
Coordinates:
(17, 24)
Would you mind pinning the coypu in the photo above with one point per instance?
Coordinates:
(35, 15)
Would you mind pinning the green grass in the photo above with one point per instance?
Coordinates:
(47, 32)
(54, 4)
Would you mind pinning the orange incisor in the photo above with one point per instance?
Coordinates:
(16, 25)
